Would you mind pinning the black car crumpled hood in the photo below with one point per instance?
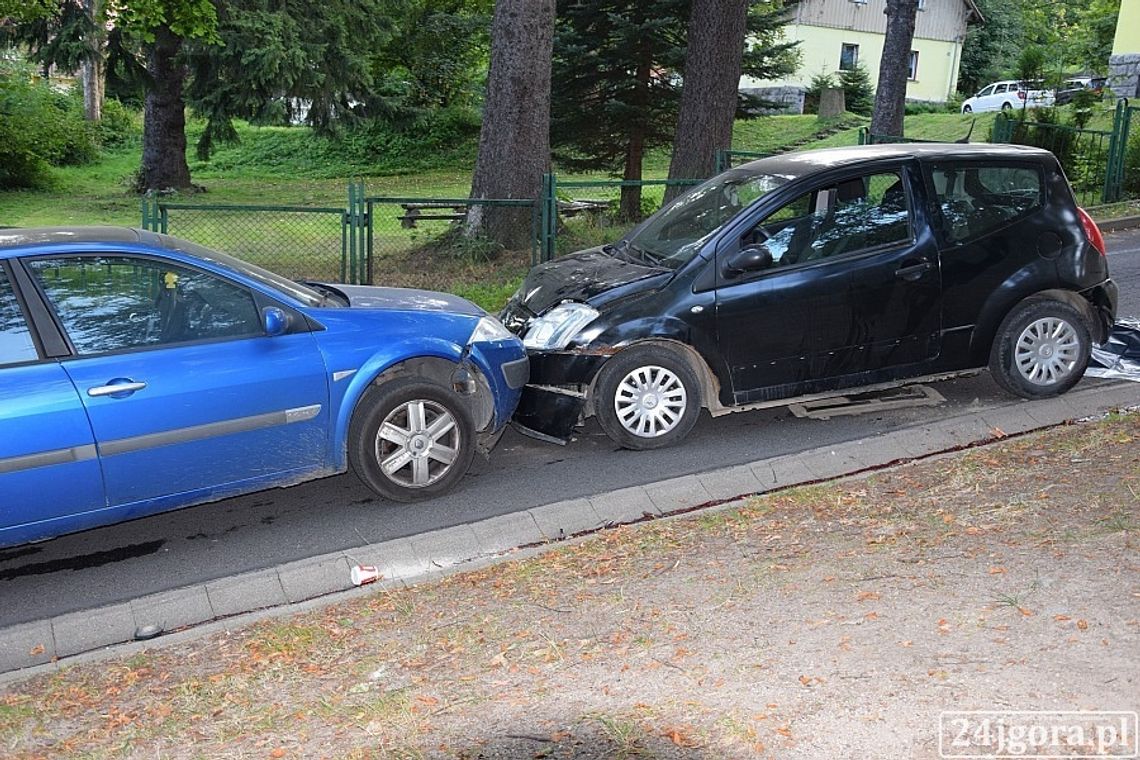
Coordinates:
(578, 277)
(409, 299)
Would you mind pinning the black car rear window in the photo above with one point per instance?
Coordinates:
(974, 200)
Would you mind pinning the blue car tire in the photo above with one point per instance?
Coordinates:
(411, 439)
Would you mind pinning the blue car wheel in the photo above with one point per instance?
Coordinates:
(411, 439)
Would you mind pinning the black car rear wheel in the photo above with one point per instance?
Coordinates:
(647, 398)
(1041, 349)
(411, 439)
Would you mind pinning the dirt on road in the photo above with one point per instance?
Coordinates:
(830, 621)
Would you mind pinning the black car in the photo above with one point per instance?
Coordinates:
(804, 273)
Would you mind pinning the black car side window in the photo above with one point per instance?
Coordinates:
(841, 218)
(16, 344)
(974, 200)
(114, 303)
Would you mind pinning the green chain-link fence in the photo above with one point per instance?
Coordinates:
(578, 214)
(300, 242)
(400, 226)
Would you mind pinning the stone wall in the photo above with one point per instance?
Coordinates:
(791, 97)
(1124, 75)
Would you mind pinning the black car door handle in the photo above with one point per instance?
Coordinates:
(913, 271)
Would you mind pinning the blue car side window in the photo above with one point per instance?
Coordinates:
(16, 344)
(116, 303)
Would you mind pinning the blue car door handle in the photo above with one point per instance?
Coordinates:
(117, 388)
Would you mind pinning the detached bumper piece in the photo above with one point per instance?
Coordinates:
(549, 414)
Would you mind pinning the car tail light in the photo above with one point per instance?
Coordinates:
(1092, 232)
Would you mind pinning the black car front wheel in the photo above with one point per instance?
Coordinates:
(411, 439)
(647, 398)
(1041, 349)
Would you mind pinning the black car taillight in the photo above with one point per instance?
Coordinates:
(1092, 232)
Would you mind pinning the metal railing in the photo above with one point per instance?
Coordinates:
(1093, 159)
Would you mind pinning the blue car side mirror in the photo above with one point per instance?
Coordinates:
(274, 320)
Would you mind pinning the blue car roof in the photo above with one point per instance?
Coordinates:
(18, 237)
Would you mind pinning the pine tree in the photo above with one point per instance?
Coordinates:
(615, 85)
(858, 93)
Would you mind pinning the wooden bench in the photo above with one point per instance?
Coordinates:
(414, 212)
(424, 211)
(573, 207)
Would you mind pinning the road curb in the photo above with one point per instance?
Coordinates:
(51, 643)
(1118, 224)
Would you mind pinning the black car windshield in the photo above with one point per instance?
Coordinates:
(295, 290)
(673, 235)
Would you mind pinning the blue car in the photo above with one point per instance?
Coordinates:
(141, 373)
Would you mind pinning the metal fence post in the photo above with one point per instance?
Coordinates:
(1117, 148)
(549, 216)
(368, 241)
(357, 234)
(148, 217)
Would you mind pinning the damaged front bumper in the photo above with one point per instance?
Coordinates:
(555, 401)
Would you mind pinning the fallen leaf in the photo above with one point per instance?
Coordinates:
(1061, 618)
(997, 570)
(1083, 624)
(38, 649)
(1026, 612)
(679, 736)
(278, 752)
(867, 595)
(805, 680)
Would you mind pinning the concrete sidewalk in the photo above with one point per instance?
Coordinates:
(414, 559)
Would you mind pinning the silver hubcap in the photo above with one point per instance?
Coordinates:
(1047, 351)
(417, 443)
(650, 401)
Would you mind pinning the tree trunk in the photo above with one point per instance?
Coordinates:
(94, 74)
(890, 96)
(164, 117)
(514, 141)
(93, 79)
(708, 97)
(630, 206)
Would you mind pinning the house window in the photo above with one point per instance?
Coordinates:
(848, 57)
(912, 66)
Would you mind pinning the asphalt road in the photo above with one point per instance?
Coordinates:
(261, 530)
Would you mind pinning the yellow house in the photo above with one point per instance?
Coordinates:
(835, 34)
(1124, 63)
